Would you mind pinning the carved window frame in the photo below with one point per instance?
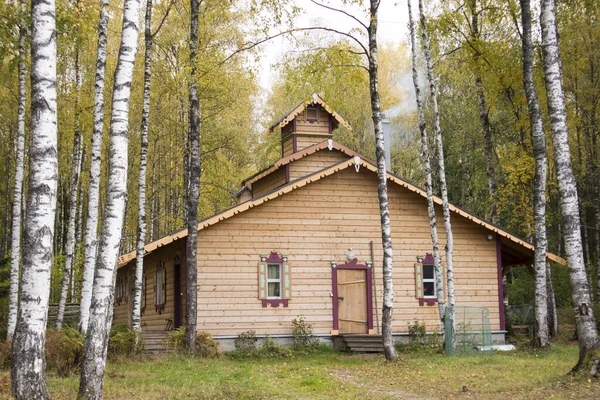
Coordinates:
(285, 279)
(160, 287)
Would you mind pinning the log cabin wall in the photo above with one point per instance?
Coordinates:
(269, 182)
(316, 224)
(315, 162)
(152, 319)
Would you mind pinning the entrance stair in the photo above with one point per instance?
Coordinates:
(358, 343)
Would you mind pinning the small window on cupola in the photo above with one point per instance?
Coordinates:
(311, 113)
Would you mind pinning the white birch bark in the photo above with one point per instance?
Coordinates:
(76, 165)
(382, 192)
(581, 299)
(91, 225)
(15, 252)
(439, 282)
(141, 229)
(194, 182)
(539, 182)
(96, 343)
(437, 130)
(28, 370)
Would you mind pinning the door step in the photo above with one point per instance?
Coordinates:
(155, 342)
(358, 343)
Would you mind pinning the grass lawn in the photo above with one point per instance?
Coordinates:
(513, 375)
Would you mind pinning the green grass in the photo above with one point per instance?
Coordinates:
(512, 375)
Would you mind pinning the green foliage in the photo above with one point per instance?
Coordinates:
(562, 285)
(245, 342)
(124, 341)
(5, 354)
(64, 349)
(304, 341)
(521, 286)
(4, 292)
(419, 340)
(206, 346)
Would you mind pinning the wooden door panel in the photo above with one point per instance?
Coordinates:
(352, 300)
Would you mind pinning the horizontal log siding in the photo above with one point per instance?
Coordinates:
(288, 146)
(316, 224)
(151, 320)
(269, 182)
(319, 127)
(315, 162)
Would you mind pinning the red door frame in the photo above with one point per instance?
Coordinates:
(352, 265)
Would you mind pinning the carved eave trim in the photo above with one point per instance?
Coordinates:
(124, 259)
(316, 99)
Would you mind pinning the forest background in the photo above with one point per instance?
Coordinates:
(237, 112)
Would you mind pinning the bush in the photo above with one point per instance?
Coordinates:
(419, 340)
(64, 349)
(304, 341)
(5, 354)
(124, 341)
(245, 342)
(206, 346)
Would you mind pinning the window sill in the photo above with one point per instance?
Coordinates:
(274, 302)
(430, 301)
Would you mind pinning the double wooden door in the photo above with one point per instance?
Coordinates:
(352, 300)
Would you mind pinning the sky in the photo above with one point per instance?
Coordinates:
(393, 28)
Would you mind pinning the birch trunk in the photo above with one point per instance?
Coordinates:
(141, 230)
(581, 299)
(552, 315)
(70, 247)
(382, 192)
(539, 182)
(194, 182)
(597, 238)
(439, 282)
(91, 224)
(15, 252)
(484, 118)
(28, 369)
(437, 130)
(96, 343)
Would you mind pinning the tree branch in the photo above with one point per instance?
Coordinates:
(340, 11)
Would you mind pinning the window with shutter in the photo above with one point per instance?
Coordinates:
(425, 283)
(274, 280)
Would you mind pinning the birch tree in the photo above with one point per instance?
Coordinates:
(439, 283)
(193, 195)
(15, 252)
(91, 225)
(382, 192)
(581, 298)
(96, 343)
(437, 131)
(28, 369)
(539, 182)
(76, 166)
(141, 230)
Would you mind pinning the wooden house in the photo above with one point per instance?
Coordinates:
(305, 239)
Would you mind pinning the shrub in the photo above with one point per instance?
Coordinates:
(206, 346)
(304, 341)
(64, 349)
(124, 341)
(245, 342)
(419, 340)
(272, 349)
(5, 354)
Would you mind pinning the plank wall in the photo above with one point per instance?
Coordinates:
(151, 319)
(319, 127)
(316, 224)
(315, 162)
(269, 182)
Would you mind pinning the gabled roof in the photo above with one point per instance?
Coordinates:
(298, 183)
(298, 155)
(315, 99)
